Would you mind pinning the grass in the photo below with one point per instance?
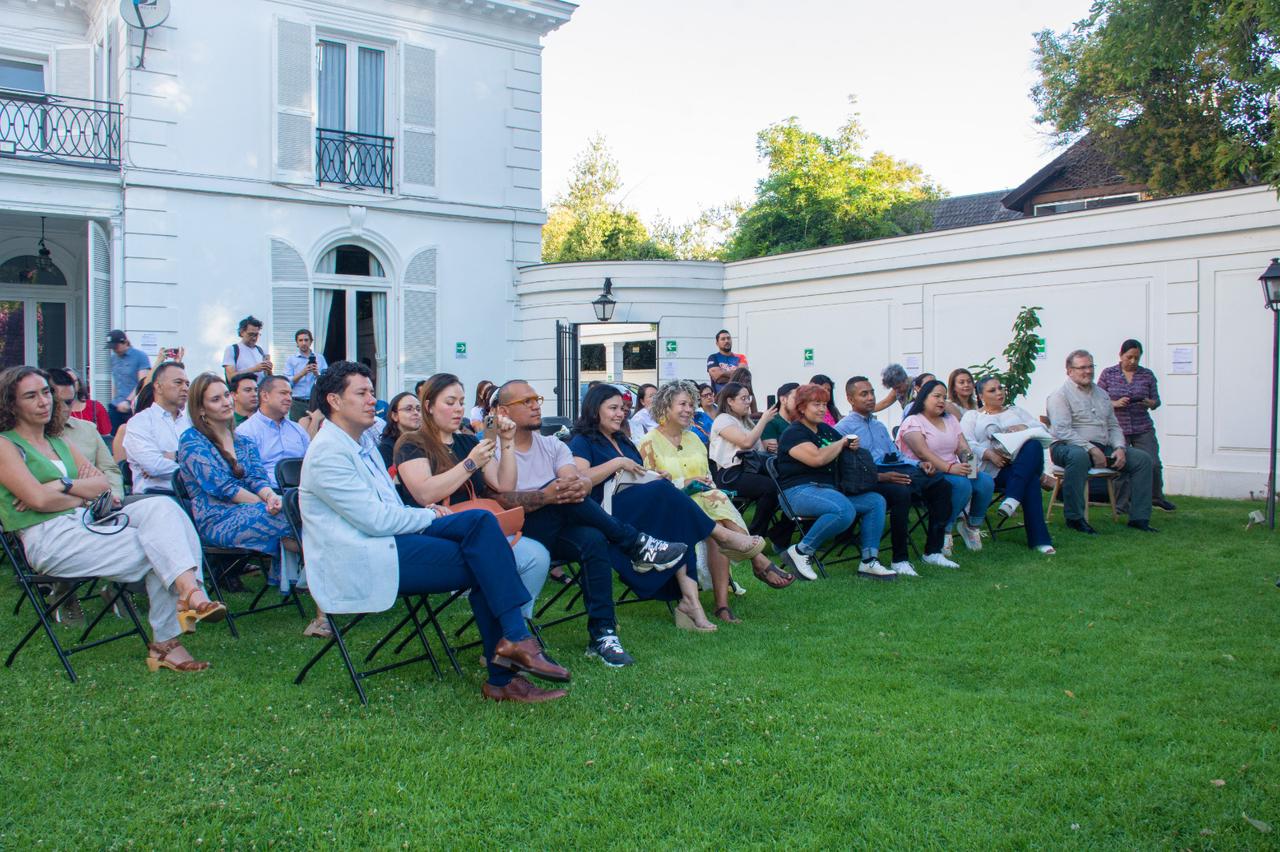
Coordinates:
(1122, 694)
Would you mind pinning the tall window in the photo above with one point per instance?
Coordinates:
(24, 76)
(353, 148)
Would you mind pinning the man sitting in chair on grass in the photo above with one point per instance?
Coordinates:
(1087, 435)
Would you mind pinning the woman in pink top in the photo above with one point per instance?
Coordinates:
(932, 437)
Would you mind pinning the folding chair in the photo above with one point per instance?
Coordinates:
(801, 522)
(1003, 525)
(288, 474)
(232, 557)
(30, 583)
(414, 604)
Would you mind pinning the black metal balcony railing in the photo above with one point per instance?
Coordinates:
(58, 129)
(353, 159)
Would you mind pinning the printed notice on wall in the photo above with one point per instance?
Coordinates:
(1184, 361)
(669, 370)
(149, 342)
(911, 363)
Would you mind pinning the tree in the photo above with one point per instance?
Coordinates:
(1180, 94)
(701, 238)
(588, 223)
(1020, 355)
(822, 191)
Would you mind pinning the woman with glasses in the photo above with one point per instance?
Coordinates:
(404, 414)
(705, 416)
(1017, 477)
(733, 432)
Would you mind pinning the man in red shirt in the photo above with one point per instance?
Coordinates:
(722, 362)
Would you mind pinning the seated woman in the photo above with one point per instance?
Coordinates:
(808, 453)
(601, 450)
(742, 376)
(143, 400)
(960, 393)
(672, 451)
(484, 397)
(44, 485)
(930, 435)
(436, 462)
(705, 416)
(833, 414)
(231, 498)
(1018, 477)
(89, 410)
(732, 432)
(404, 414)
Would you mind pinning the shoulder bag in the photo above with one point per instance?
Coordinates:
(511, 520)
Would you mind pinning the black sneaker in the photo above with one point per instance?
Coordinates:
(1163, 504)
(609, 650)
(649, 552)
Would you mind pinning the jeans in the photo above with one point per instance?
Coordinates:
(1020, 479)
(582, 532)
(972, 493)
(469, 551)
(1075, 463)
(835, 513)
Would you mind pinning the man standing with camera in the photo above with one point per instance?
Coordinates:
(302, 370)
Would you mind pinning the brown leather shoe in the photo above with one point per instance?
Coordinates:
(526, 656)
(522, 691)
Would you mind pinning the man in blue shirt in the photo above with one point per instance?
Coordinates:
(274, 435)
(128, 365)
(722, 362)
(301, 370)
(901, 479)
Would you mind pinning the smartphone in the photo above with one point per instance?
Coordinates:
(311, 359)
(490, 421)
(771, 400)
(171, 354)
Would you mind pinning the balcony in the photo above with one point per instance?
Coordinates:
(58, 129)
(360, 160)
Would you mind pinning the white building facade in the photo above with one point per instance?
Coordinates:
(370, 171)
(1179, 274)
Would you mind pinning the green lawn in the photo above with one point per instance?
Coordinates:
(1122, 694)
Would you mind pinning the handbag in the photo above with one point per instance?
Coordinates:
(511, 520)
(749, 461)
(622, 479)
(856, 472)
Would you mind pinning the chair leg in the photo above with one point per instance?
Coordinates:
(417, 629)
(42, 621)
(211, 581)
(351, 669)
(1111, 497)
(1053, 496)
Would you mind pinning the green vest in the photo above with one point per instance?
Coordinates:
(44, 471)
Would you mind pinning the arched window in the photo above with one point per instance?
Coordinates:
(26, 269)
(350, 259)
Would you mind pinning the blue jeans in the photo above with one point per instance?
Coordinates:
(835, 513)
(973, 493)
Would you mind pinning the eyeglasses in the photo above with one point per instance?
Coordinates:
(746, 397)
(528, 400)
(1082, 367)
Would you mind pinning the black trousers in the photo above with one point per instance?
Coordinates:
(759, 487)
(935, 491)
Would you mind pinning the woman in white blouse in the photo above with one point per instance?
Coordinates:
(732, 432)
(1018, 477)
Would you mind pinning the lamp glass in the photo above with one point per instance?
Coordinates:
(1271, 284)
(603, 306)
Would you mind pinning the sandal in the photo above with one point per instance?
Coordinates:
(162, 649)
(728, 616)
(773, 576)
(685, 622)
(319, 628)
(559, 575)
(755, 546)
(188, 615)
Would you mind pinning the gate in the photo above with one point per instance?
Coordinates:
(567, 370)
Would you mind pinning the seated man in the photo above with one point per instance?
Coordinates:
(786, 414)
(1086, 434)
(558, 514)
(365, 547)
(901, 478)
(151, 436)
(244, 395)
(270, 429)
(84, 435)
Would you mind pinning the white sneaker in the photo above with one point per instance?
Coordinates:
(947, 545)
(737, 589)
(800, 562)
(972, 535)
(939, 560)
(873, 570)
(904, 569)
(1046, 549)
(1008, 508)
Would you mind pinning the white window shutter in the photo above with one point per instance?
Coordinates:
(290, 301)
(418, 354)
(99, 250)
(417, 152)
(294, 130)
(73, 71)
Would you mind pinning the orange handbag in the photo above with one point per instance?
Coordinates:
(511, 520)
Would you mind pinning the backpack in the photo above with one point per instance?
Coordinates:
(235, 355)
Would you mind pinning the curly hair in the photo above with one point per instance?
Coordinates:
(9, 381)
(666, 396)
(334, 380)
(893, 375)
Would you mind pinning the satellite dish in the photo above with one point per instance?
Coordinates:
(144, 14)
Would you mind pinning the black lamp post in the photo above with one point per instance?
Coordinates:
(605, 303)
(1271, 292)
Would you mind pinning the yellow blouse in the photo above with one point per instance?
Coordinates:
(686, 462)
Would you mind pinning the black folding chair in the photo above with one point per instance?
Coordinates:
(288, 474)
(31, 582)
(802, 522)
(1002, 524)
(231, 559)
(414, 605)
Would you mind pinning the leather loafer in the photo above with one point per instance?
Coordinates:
(520, 690)
(1145, 526)
(526, 656)
(1081, 526)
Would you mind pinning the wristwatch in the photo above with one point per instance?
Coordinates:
(66, 484)
(469, 466)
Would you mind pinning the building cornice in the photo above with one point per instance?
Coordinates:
(542, 16)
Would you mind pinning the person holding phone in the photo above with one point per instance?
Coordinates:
(302, 370)
(732, 432)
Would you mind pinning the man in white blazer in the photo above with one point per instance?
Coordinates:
(364, 546)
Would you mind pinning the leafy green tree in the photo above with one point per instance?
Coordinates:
(701, 238)
(587, 222)
(1180, 94)
(1020, 355)
(822, 191)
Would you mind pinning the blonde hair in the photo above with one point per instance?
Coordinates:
(666, 397)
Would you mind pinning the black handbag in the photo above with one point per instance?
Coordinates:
(856, 472)
(749, 461)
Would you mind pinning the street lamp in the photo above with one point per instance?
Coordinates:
(605, 303)
(1271, 293)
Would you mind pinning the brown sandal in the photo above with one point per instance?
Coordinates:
(159, 662)
(773, 576)
(188, 615)
(728, 617)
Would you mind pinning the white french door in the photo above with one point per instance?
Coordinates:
(350, 324)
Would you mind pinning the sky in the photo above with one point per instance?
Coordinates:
(680, 88)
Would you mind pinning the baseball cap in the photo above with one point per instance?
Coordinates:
(116, 336)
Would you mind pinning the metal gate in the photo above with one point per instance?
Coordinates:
(567, 370)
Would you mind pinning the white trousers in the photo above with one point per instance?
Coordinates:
(157, 546)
